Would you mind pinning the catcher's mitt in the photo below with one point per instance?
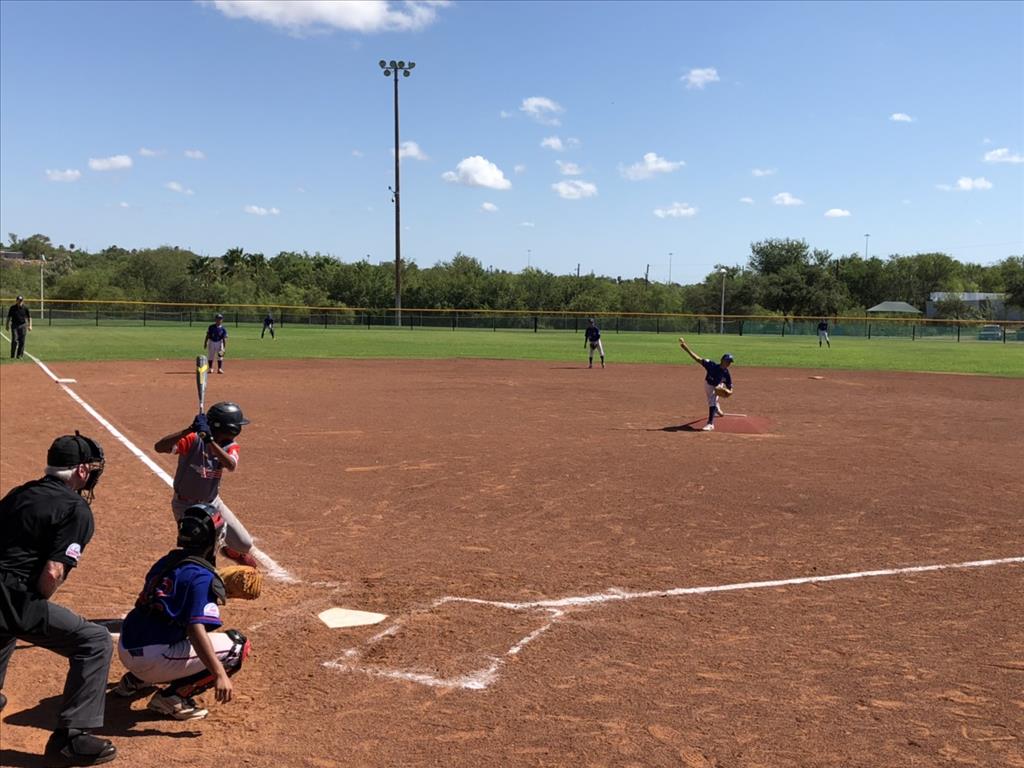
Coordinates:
(723, 391)
(242, 581)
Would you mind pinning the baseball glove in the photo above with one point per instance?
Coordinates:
(723, 391)
(241, 581)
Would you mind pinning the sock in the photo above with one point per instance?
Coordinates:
(711, 415)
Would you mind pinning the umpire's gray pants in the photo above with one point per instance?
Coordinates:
(235, 535)
(87, 646)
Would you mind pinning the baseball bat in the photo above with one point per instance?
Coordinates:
(202, 369)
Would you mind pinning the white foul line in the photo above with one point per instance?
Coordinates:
(482, 678)
(274, 570)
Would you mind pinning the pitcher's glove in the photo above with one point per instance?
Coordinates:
(242, 581)
(723, 391)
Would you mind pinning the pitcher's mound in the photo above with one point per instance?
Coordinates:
(736, 425)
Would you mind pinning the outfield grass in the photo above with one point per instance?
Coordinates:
(177, 342)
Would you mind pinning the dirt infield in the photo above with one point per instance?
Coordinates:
(389, 486)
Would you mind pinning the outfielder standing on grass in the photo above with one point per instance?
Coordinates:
(717, 376)
(168, 637)
(205, 449)
(823, 333)
(268, 325)
(216, 342)
(592, 336)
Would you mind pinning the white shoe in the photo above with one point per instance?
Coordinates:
(708, 428)
(176, 707)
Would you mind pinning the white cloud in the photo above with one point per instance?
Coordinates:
(553, 142)
(518, 169)
(568, 169)
(943, 187)
(68, 175)
(784, 198)
(528, 224)
(195, 154)
(477, 171)
(1003, 155)
(650, 165)
(489, 207)
(763, 172)
(836, 213)
(110, 163)
(676, 211)
(698, 78)
(575, 189)
(747, 200)
(504, 114)
(357, 153)
(986, 140)
(967, 184)
(901, 117)
(257, 210)
(542, 109)
(178, 187)
(311, 15)
(124, 204)
(410, 149)
(147, 152)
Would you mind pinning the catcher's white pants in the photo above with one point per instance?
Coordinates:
(215, 353)
(598, 346)
(164, 663)
(236, 535)
(712, 395)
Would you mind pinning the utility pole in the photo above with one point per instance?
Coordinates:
(670, 267)
(721, 327)
(646, 273)
(866, 247)
(391, 69)
(577, 271)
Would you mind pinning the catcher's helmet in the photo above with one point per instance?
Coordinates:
(226, 417)
(200, 528)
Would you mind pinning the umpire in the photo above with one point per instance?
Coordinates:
(44, 527)
(18, 322)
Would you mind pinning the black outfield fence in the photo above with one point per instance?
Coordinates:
(104, 313)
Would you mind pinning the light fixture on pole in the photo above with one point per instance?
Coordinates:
(529, 255)
(42, 306)
(391, 69)
(670, 267)
(866, 247)
(721, 327)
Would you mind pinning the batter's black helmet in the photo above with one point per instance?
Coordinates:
(200, 528)
(226, 417)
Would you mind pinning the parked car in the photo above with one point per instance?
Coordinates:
(990, 333)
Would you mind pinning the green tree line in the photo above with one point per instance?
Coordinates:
(781, 276)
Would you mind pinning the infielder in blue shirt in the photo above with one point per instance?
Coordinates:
(592, 336)
(216, 342)
(717, 373)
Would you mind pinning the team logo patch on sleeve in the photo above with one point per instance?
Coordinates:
(74, 551)
(211, 611)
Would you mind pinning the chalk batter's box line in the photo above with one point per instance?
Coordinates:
(274, 570)
(483, 678)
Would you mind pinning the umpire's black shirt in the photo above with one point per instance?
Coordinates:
(40, 521)
(18, 314)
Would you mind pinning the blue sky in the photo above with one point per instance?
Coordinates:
(607, 135)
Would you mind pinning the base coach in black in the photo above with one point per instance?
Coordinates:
(45, 526)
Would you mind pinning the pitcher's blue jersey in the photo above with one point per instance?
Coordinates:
(716, 374)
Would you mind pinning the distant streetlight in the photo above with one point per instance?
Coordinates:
(529, 255)
(866, 247)
(42, 307)
(391, 69)
(721, 327)
(670, 267)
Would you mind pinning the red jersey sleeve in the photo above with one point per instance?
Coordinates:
(182, 446)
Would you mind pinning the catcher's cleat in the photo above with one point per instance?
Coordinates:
(130, 685)
(242, 558)
(176, 707)
(708, 428)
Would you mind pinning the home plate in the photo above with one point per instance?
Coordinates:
(336, 618)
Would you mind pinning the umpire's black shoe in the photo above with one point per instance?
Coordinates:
(78, 747)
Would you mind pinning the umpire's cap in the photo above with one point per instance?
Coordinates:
(72, 450)
(727, 358)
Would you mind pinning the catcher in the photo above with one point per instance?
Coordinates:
(167, 637)
(717, 382)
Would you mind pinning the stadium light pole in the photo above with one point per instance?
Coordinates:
(670, 267)
(866, 247)
(391, 69)
(42, 305)
(721, 327)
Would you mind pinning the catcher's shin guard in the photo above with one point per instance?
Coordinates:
(193, 685)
